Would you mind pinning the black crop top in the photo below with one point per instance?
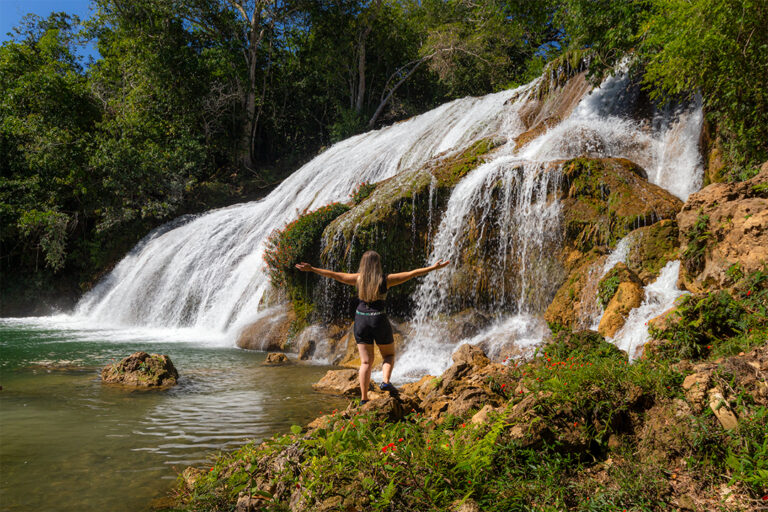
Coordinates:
(376, 306)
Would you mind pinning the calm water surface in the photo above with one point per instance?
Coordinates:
(70, 443)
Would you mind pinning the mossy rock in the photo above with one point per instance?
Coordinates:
(398, 220)
(606, 198)
(574, 302)
(141, 370)
(651, 248)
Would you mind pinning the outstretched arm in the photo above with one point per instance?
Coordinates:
(342, 277)
(401, 277)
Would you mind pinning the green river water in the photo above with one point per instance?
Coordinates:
(70, 443)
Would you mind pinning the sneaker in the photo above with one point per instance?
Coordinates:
(387, 386)
(363, 402)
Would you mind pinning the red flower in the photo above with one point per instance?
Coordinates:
(749, 292)
(384, 449)
(400, 440)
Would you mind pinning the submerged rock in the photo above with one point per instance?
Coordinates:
(141, 369)
(276, 359)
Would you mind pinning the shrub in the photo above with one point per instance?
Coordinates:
(296, 242)
(698, 236)
(607, 287)
(362, 192)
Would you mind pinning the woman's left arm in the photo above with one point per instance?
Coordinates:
(401, 277)
(342, 277)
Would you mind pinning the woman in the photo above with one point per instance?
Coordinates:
(371, 323)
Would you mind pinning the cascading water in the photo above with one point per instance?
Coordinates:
(206, 272)
(666, 145)
(660, 296)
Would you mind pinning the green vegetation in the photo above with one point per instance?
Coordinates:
(608, 286)
(720, 323)
(584, 430)
(298, 241)
(698, 236)
(362, 192)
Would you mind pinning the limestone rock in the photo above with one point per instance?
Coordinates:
(467, 505)
(652, 247)
(269, 332)
(276, 359)
(628, 296)
(340, 382)
(695, 387)
(722, 411)
(470, 355)
(141, 370)
(467, 399)
(481, 416)
(736, 232)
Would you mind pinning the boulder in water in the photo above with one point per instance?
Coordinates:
(276, 359)
(141, 369)
(269, 331)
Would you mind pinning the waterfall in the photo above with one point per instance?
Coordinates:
(206, 272)
(601, 125)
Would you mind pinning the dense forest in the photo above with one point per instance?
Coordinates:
(195, 104)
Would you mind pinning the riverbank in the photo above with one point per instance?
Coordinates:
(575, 427)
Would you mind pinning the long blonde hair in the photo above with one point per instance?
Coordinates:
(370, 278)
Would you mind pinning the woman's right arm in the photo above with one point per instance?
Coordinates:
(342, 277)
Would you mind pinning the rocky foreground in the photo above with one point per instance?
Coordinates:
(575, 427)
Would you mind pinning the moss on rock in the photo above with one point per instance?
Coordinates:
(397, 220)
(606, 198)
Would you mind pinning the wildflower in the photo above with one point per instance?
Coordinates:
(400, 440)
(463, 425)
(384, 449)
(210, 470)
(502, 386)
(749, 292)
(298, 485)
(709, 346)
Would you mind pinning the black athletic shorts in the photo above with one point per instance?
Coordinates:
(372, 327)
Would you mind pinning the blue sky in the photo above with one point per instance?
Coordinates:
(11, 12)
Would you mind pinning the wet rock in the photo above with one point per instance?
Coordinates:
(735, 231)
(340, 382)
(307, 349)
(470, 355)
(141, 369)
(269, 332)
(652, 247)
(629, 294)
(276, 359)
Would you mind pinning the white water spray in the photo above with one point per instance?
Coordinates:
(660, 296)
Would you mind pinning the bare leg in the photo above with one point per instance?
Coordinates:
(388, 355)
(366, 359)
